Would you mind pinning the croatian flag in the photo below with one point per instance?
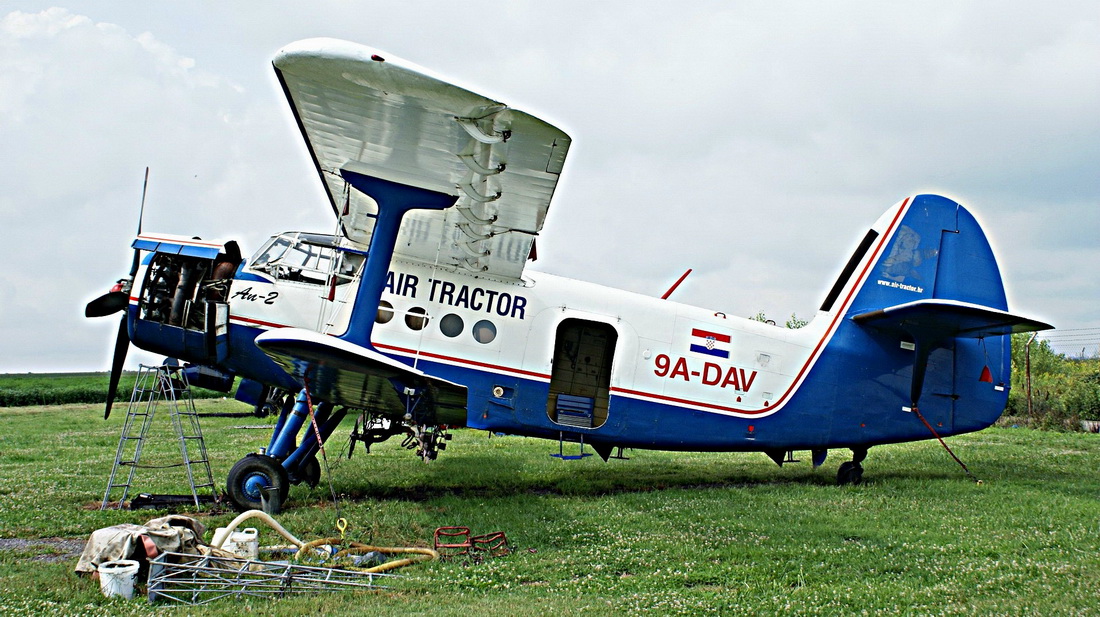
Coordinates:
(710, 343)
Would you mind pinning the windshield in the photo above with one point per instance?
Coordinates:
(307, 258)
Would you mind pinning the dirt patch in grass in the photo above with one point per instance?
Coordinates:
(48, 549)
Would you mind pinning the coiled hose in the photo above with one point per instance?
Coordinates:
(357, 548)
(354, 548)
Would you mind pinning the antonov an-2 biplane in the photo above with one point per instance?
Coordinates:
(419, 315)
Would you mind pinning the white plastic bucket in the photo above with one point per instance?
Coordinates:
(116, 578)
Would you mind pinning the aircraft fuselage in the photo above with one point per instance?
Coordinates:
(648, 373)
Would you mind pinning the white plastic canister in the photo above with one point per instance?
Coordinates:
(244, 544)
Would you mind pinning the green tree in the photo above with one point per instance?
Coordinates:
(793, 322)
(1063, 391)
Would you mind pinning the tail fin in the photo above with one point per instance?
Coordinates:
(926, 272)
(926, 248)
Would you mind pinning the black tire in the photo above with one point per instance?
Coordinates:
(855, 476)
(269, 408)
(310, 472)
(849, 473)
(842, 473)
(251, 476)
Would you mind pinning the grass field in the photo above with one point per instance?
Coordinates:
(23, 389)
(662, 533)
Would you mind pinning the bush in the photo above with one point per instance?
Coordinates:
(1082, 398)
(1063, 390)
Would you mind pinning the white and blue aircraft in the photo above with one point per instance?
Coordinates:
(419, 315)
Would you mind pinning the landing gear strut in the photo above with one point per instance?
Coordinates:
(851, 472)
(268, 475)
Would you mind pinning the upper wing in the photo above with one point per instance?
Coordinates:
(366, 111)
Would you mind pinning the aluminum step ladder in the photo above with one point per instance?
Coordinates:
(156, 385)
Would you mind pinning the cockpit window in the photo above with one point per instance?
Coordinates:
(307, 258)
(273, 250)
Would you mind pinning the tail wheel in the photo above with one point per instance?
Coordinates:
(850, 472)
(255, 478)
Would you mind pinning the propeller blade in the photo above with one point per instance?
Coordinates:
(141, 215)
(107, 304)
(144, 189)
(122, 345)
(112, 303)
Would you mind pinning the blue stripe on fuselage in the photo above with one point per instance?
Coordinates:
(853, 396)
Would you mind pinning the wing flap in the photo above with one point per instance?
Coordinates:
(948, 319)
(366, 111)
(343, 373)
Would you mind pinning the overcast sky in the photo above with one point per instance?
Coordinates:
(752, 141)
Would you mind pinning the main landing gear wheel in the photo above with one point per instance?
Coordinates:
(849, 473)
(311, 473)
(254, 478)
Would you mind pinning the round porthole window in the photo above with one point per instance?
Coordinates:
(451, 325)
(485, 331)
(385, 312)
(416, 318)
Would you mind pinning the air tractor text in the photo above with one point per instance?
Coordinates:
(469, 297)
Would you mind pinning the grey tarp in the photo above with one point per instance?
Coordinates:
(174, 533)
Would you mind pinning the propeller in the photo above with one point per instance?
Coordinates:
(107, 304)
(114, 301)
(122, 345)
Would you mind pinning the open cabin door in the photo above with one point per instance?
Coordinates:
(580, 379)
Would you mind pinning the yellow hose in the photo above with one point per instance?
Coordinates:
(426, 554)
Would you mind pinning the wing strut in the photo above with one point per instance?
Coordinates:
(393, 200)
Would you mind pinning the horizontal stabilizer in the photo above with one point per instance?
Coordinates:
(948, 319)
(347, 374)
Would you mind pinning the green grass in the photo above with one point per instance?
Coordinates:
(25, 389)
(662, 533)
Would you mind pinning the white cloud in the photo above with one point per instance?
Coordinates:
(753, 142)
(86, 106)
